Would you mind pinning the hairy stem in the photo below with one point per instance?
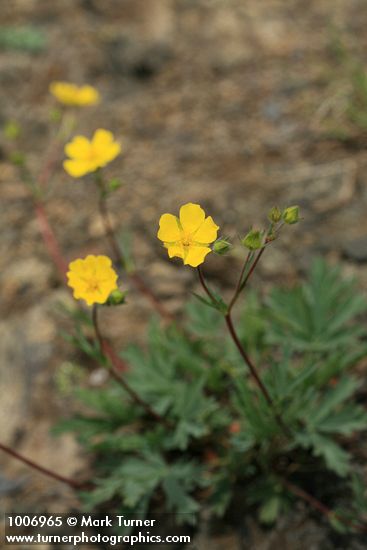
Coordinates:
(114, 366)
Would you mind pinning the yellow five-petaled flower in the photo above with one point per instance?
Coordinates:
(92, 279)
(88, 155)
(71, 94)
(188, 237)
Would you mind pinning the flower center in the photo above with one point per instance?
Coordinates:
(186, 239)
(93, 286)
(92, 154)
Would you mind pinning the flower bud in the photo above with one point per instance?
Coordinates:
(291, 215)
(253, 240)
(12, 130)
(55, 115)
(116, 298)
(114, 184)
(275, 214)
(221, 247)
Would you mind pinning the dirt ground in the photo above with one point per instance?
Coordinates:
(237, 105)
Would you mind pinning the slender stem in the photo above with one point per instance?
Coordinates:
(109, 230)
(50, 165)
(320, 507)
(255, 374)
(246, 357)
(68, 481)
(114, 367)
(239, 283)
(120, 259)
(244, 283)
(204, 285)
(50, 239)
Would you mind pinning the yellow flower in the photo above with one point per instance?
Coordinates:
(188, 237)
(92, 279)
(88, 155)
(70, 94)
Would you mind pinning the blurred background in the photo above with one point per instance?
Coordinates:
(238, 105)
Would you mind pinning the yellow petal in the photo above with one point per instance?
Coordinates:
(64, 92)
(175, 251)
(103, 261)
(207, 232)
(110, 152)
(87, 95)
(79, 147)
(196, 255)
(191, 217)
(101, 138)
(169, 230)
(77, 168)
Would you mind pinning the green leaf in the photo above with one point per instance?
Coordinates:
(269, 511)
(317, 315)
(22, 38)
(335, 457)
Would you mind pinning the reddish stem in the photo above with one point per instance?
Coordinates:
(68, 481)
(115, 364)
(256, 375)
(135, 278)
(245, 356)
(320, 507)
(50, 240)
(50, 165)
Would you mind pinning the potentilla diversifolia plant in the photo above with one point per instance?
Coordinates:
(220, 407)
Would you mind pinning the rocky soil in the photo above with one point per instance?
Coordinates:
(235, 105)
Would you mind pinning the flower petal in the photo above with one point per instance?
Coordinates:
(87, 95)
(101, 138)
(77, 168)
(207, 232)
(175, 251)
(92, 279)
(196, 255)
(191, 217)
(78, 148)
(109, 153)
(169, 230)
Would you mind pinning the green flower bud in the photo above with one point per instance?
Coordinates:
(114, 184)
(253, 240)
(116, 298)
(221, 247)
(12, 130)
(291, 214)
(17, 158)
(55, 115)
(275, 214)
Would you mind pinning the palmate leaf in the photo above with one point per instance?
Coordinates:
(201, 320)
(335, 457)
(350, 419)
(221, 493)
(140, 476)
(317, 315)
(331, 399)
